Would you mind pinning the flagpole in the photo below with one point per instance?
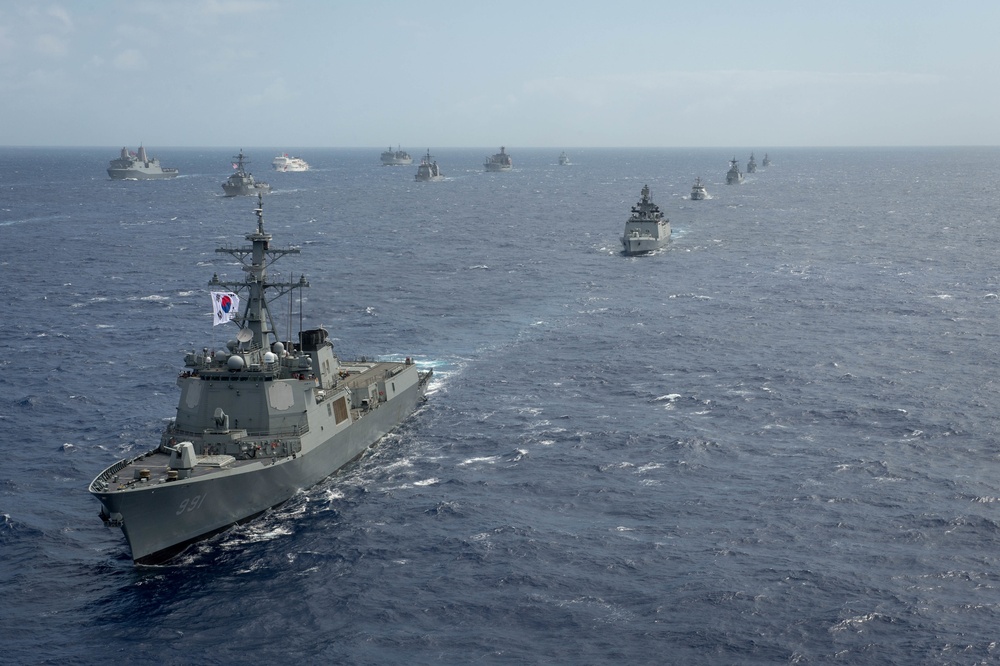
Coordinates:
(288, 331)
(213, 325)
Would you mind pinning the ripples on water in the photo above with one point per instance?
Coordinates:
(771, 442)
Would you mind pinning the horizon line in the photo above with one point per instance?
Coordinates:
(324, 147)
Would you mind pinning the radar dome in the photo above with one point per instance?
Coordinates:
(235, 362)
(270, 358)
(220, 356)
(278, 348)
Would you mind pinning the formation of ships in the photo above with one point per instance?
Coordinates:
(137, 165)
(640, 237)
(646, 230)
(271, 413)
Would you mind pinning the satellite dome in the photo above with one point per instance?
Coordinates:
(235, 362)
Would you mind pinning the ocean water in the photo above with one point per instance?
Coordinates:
(774, 441)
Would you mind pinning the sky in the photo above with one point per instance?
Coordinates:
(472, 73)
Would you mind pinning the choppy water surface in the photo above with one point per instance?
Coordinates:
(772, 442)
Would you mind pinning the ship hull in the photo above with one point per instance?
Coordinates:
(140, 174)
(243, 189)
(634, 246)
(643, 241)
(160, 520)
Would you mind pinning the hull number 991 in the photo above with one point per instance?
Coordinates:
(191, 503)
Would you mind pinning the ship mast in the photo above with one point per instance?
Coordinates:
(256, 316)
(241, 160)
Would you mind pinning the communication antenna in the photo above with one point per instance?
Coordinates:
(244, 335)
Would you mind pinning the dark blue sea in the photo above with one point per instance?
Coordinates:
(774, 441)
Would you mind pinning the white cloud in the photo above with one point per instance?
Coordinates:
(600, 89)
(50, 45)
(130, 60)
(275, 91)
(7, 45)
(229, 7)
(61, 16)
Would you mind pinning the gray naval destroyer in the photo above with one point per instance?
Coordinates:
(138, 166)
(428, 171)
(698, 191)
(255, 423)
(646, 230)
(734, 176)
(242, 181)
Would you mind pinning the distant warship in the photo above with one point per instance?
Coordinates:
(733, 176)
(398, 157)
(752, 165)
(698, 191)
(242, 182)
(256, 422)
(646, 230)
(138, 166)
(428, 170)
(767, 160)
(499, 161)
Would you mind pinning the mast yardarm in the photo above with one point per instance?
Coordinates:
(255, 287)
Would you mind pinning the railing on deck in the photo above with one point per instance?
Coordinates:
(294, 431)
